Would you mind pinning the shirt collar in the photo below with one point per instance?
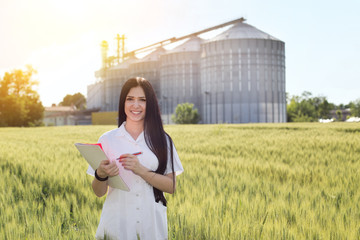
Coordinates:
(122, 132)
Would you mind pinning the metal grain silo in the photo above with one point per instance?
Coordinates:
(114, 79)
(149, 68)
(243, 77)
(180, 76)
(94, 97)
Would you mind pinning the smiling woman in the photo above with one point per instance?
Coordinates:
(135, 105)
(141, 212)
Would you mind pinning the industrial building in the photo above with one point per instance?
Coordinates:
(66, 115)
(238, 76)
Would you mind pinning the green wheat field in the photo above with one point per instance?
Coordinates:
(250, 181)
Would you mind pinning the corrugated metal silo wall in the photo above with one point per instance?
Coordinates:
(149, 70)
(180, 81)
(243, 81)
(114, 79)
(94, 95)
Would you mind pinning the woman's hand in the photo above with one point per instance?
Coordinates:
(164, 183)
(131, 162)
(107, 169)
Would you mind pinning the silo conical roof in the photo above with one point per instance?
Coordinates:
(153, 56)
(243, 30)
(191, 45)
(125, 64)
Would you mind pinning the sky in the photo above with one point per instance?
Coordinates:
(61, 39)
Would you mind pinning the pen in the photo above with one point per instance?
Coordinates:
(137, 153)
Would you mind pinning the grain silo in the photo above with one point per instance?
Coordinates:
(236, 77)
(180, 76)
(114, 78)
(149, 67)
(243, 77)
(95, 96)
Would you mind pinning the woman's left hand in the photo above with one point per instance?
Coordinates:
(131, 162)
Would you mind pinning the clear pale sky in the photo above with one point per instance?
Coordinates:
(61, 38)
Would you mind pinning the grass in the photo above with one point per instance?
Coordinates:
(249, 181)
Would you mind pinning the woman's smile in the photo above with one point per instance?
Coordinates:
(135, 105)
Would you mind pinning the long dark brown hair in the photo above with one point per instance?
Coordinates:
(155, 137)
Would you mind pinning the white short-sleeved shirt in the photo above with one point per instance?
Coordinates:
(129, 215)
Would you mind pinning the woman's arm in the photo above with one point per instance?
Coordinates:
(105, 169)
(162, 182)
(99, 188)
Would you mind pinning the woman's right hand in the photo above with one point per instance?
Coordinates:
(107, 169)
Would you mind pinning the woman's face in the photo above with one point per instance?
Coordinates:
(135, 105)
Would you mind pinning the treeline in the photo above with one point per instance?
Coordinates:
(77, 99)
(20, 104)
(307, 108)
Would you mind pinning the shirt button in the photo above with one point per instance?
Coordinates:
(137, 181)
(137, 208)
(138, 221)
(137, 195)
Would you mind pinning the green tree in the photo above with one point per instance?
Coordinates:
(300, 110)
(339, 115)
(306, 108)
(355, 108)
(77, 99)
(322, 107)
(20, 104)
(186, 114)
